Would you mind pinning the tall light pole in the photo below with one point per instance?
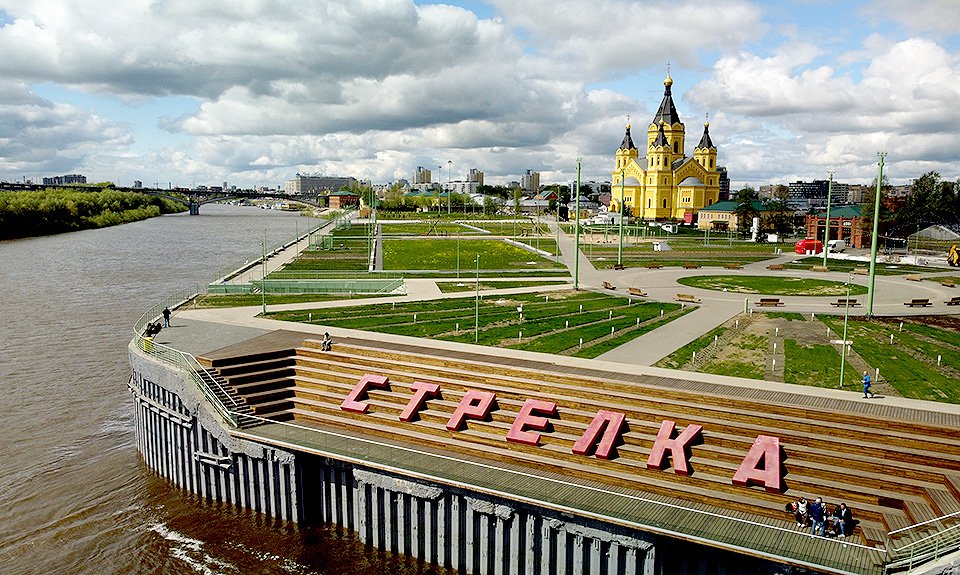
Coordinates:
(843, 343)
(620, 244)
(576, 229)
(263, 272)
(826, 227)
(439, 188)
(476, 316)
(874, 235)
(449, 164)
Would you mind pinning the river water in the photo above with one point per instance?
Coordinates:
(74, 496)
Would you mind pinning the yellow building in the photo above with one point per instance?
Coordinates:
(665, 184)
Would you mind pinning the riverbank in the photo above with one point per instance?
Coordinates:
(25, 214)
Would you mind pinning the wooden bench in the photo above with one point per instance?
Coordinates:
(768, 302)
(820, 269)
(733, 266)
(844, 302)
(918, 302)
(618, 266)
(636, 291)
(913, 277)
(776, 267)
(652, 265)
(947, 282)
(687, 298)
(691, 266)
(608, 285)
(860, 271)
(955, 300)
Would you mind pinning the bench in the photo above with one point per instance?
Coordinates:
(768, 302)
(691, 266)
(913, 277)
(955, 300)
(687, 298)
(947, 282)
(860, 271)
(918, 302)
(733, 266)
(819, 269)
(776, 267)
(652, 265)
(618, 266)
(608, 285)
(844, 302)
(636, 291)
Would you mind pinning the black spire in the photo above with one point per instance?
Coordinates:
(661, 138)
(705, 141)
(667, 112)
(627, 143)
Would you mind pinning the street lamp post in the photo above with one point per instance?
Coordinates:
(874, 236)
(263, 272)
(576, 229)
(843, 343)
(458, 255)
(826, 227)
(476, 316)
(449, 164)
(620, 244)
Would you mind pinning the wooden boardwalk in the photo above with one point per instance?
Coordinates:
(894, 466)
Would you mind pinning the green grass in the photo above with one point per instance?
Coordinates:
(436, 254)
(738, 363)
(680, 357)
(548, 245)
(787, 315)
(805, 263)
(816, 365)
(469, 285)
(667, 261)
(909, 365)
(511, 228)
(626, 337)
(426, 228)
(772, 285)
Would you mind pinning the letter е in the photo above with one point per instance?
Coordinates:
(352, 402)
(526, 419)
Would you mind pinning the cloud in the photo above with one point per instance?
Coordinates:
(920, 16)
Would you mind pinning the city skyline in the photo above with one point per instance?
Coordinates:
(252, 93)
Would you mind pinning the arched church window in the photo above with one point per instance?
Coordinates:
(664, 202)
(711, 163)
(675, 147)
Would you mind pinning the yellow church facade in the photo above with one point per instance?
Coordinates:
(665, 184)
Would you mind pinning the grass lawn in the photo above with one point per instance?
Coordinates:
(552, 322)
(747, 358)
(805, 263)
(432, 228)
(545, 244)
(470, 285)
(346, 249)
(680, 357)
(910, 363)
(441, 254)
(816, 365)
(772, 285)
(520, 227)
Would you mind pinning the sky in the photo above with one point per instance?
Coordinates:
(251, 92)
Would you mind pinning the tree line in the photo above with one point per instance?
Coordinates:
(56, 210)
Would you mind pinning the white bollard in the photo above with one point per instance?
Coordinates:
(638, 322)
(581, 308)
(774, 347)
(566, 324)
(661, 313)
(891, 339)
(414, 318)
(310, 316)
(738, 324)
(519, 336)
(394, 305)
(774, 364)
(938, 361)
(581, 342)
(458, 329)
(813, 315)
(694, 356)
(901, 326)
(777, 333)
(611, 329)
(610, 315)
(714, 340)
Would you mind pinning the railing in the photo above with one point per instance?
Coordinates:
(926, 548)
(204, 380)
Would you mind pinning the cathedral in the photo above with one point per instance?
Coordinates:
(665, 184)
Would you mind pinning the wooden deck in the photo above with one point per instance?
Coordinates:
(893, 466)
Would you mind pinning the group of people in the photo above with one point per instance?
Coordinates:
(815, 515)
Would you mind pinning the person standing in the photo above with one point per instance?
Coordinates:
(166, 317)
(817, 517)
(866, 384)
(802, 512)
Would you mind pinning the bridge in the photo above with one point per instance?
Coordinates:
(192, 198)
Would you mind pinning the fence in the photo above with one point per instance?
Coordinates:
(927, 541)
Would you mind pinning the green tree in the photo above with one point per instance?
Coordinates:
(746, 209)
(517, 196)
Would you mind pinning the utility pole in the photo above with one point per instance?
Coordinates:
(620, 205)
(826, 227)
(874, 236)
(576, 235)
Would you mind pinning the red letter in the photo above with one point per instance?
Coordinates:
(765, 448)
(421, 391)
(526, 419)
(612, 421)
(352, 403)
(475, 405)
(677, 447)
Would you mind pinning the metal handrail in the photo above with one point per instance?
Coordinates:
(927, 522)
(931, 546)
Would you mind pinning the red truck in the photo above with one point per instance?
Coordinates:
(809, 245)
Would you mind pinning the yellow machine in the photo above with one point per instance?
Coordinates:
(953, 258)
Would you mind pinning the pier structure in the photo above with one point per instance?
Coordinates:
(499, 461)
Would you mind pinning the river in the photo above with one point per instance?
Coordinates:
(74, 496)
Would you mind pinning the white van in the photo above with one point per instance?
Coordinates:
(836, 246)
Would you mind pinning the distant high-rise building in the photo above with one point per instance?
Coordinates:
(64, 180)
(724, 181)
(475, 176)
(530, 181)
(301, 184)
(422, 176)
(137, 184)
